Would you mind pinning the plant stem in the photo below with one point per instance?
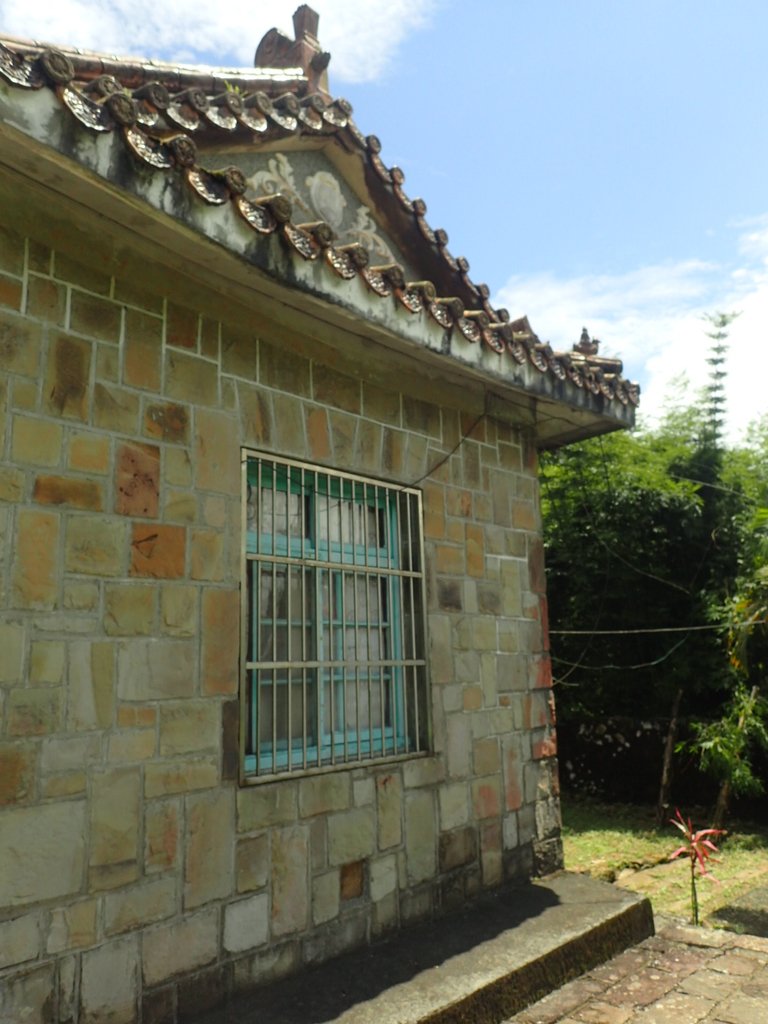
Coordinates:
(694, 897)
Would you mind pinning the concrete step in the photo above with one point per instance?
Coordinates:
(477, 966)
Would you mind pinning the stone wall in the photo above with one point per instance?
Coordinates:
(139, 880)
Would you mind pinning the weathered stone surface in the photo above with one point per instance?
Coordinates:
(420, 836)
(91, 701)
(261, 806)
(189, 727)
(12, 646)
(142, 349)
(46, 662)
(17, 773)
(389, 800)
(178, 609)
(108, 987)
(180, 776)
(383, 871)
(457, 848)
(209, 860)
(325, 897)
(129, 610)
(67, 377)
(36, 442)
(217, 460)
(352, 880)
(320, 794)
(73, 926)
(155, 669)
(95, 546)
(27, 996)
(114, 819)
(290, 878)
(89, 452)
(351, 836)
(34, 711)
(115, 409)
(246, 924)
(252, 863)
(168, 421)
(454, 806)
(34, 582)
(158, 550)
(139, 905)
(161, 835)
(41, 852)
(64, 490)
(137, 480)
(19, 940)
(221, 641)
(180, 947)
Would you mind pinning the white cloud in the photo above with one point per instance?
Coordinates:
(362, 35)
(652, 318)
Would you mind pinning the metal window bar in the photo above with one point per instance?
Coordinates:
(326, 662)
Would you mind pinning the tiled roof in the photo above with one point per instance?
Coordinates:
(160, 110)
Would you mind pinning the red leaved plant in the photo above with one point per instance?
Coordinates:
(698, 847)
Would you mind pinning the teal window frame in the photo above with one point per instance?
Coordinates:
(334, 669)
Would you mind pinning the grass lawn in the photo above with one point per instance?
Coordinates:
(620, 843)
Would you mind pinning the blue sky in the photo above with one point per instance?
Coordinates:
(599, 162)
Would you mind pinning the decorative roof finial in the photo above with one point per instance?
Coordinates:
(276, 50)
(586, 345)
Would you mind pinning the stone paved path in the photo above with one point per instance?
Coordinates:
(682, 975)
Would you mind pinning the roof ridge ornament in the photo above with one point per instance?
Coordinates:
(277, 50)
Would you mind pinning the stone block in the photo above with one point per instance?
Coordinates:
(34, 582)
(290, 880)
(11, 480)
(137, 479)
(189, 727)
(221, 641)
(458, 746)
(191, 379)
(363, 791)
(155, 669)
(115, 409)
(109, 982)
(457, 848)
(180, 507)
(252, 863)
(158, 550)
(131, 746)
(67, 377)
(19, 940)
(28, 996)
(168, 421)
(34, 711)
(72, 491)
(389, 804)
(259, 807)
(383, 877)
(46, 662)
(178, 609)
(20, 344)
(486, 797)
(454, 805)
(17, 773)
(180, 776)
(207, 558)
(129, 610)
(139, 905)
(73, 927)
(41, 852)
(217, 455)
(12, 646)
(161, 836)
(325, 897)
(91, 691)
(423, 771)
(491, 853)
(352, 880)
(209, 859)
(351, 836)
(246, 924)
(89, 453)
(486, 759)
(67, 753)
(142, 349)
(95, 546)
(320, 794)
(63, 785)
(420, 836)
(114, 820)
(81, 595)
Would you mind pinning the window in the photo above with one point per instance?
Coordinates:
(333, 637)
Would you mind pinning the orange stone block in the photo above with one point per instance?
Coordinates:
(352, 880)
(89, 453)
(158, 550)
(475, 551)
(62, 490)
(138, 480)
(317, 433)
(17, 773)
